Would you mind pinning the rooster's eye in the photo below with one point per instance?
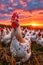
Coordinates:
(27, 51)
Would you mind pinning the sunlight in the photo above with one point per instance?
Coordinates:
(36, 24)
(33, 24)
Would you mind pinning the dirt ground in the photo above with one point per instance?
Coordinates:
(36, 57)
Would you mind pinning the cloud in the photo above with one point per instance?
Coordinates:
(23, 3)
(11, 1)
(41, 1)
(29, 14)
(15, 4)
(5, 22)
(2, 6)
(34, 5)
(21, 13)
(10, 8)
(28, 0)
(28, 18)
(0, 14)
(7, 7)
(2, 0)
(39, 12)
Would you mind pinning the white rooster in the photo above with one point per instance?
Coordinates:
(20, 46)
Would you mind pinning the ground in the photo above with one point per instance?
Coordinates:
(36, 57)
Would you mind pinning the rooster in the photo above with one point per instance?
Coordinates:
(20, 47)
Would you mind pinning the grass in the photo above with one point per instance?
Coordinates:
(36, 47)
(36, 58)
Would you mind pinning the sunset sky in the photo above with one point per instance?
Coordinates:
(29, 11)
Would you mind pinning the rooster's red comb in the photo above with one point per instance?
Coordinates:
(14, 15)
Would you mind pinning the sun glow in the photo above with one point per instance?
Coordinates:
(33, 24)
(36, 24)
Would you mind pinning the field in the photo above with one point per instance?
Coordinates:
(36, 57)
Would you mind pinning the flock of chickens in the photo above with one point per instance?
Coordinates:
(29, 35)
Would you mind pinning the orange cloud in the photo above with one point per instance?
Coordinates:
(35, 16)
(22, 12)
(6, 14)
(28, 14)
(37, 12)
(5, 22)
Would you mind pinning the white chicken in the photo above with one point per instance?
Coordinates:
(20, 46)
